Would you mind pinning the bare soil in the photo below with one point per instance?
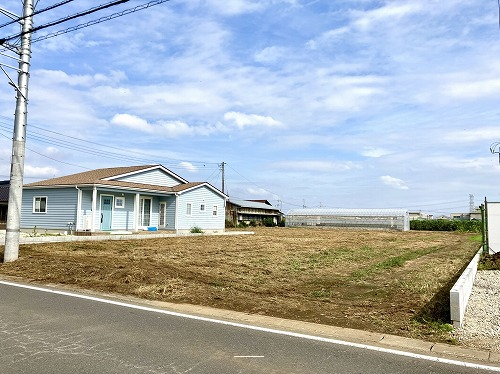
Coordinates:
(381, 281)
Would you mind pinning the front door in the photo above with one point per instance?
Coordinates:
(162, 213)
(106, 212)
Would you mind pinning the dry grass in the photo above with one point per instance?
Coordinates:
(390, 282)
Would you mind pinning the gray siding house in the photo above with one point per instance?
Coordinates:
(133, 198)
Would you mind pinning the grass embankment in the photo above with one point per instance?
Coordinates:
(389, 282)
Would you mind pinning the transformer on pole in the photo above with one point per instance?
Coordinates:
(11, 252)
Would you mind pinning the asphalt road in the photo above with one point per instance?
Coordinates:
(44, 332)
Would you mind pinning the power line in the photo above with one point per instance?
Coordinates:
(37, 12)
(100, 20)
(124, 155)
(65, 19)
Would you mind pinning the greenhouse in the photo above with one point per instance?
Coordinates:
(382, 219)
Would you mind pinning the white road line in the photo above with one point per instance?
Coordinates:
(257, 328)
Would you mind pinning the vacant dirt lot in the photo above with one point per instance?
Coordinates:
(391, 282)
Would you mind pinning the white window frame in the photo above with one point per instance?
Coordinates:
(202, 207)
(122, 199)
(39, 199)
(189, 209)
(215, 210)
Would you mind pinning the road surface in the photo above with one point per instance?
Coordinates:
(47, 332)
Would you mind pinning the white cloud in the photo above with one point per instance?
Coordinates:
(242, 120)
(270, 54)
(386, 13)
(40, 171)
(235, 7)
(393, 182)
(374, 152)
(188, 166)
(315, 166)
(473, 90)
(132, 122)
(487, 133)
(167, 129)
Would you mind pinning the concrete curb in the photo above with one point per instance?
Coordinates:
(461, 290)
(72, 238)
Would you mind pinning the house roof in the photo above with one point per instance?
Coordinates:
(89, 177)
(252, 204)
(101, 178)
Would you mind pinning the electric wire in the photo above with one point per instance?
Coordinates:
(37, 12)
(123, 155)
(100, 20)
(64, 19)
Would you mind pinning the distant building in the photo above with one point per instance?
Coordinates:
(388, 219)
(474, 216)
(238, 211)
(420, 215)
(4, 200)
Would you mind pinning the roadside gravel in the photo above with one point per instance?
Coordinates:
(481, 327)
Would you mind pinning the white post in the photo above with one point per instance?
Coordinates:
(137, 204)
(94, 208)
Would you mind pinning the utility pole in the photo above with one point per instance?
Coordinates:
(223, 180)
(11, 252)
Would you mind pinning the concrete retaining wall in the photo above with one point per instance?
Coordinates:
(461, 290)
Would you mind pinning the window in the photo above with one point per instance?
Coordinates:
(119, 202)
(188, 209)
(202, 207)
(40, 204)
(214, 211)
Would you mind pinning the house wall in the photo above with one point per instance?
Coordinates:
(123, 218)
(493, 210)
(61, 208)
(170, 208)
(154, 177)
(202, 219)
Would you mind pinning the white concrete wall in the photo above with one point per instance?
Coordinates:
(493, 210)
(460, 292)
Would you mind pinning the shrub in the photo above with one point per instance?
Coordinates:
(268, 222)
(196, 230)
(242, 224)
(446, 225)
(229, 223)
(253, 223)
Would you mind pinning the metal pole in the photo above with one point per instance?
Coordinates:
(11, 252)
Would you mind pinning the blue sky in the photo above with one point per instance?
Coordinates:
(350, 103)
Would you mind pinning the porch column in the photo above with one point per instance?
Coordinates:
(176, 223)
(78, 209)
(94, 208)
(137, 204)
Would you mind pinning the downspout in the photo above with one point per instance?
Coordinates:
(78, 209)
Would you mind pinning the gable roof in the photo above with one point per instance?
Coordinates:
(105, 178)
(252, 204)
(94, 176)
